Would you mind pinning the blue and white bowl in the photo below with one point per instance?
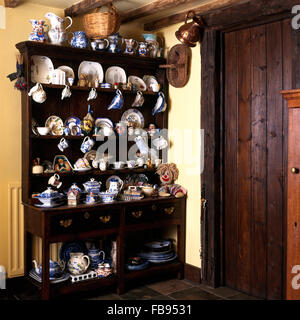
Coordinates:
(48, 197)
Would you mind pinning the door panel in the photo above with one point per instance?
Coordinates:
(255, 126)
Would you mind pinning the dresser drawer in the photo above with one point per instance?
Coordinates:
(169, 210)
(84, 221)
(136, 214)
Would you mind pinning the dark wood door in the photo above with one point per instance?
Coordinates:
(257, 66)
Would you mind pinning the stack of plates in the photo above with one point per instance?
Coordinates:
(160, 251)
(137, 263)
(62, 278)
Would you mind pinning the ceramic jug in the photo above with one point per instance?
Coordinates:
(57, 33)
(130, 46)
(142, 49)
(38, 32)
(78, 263)
(79, 40)
(115, 186)
(153, 45)
(114, 40)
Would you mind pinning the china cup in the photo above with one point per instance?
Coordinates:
(63, 144)
(87, 144)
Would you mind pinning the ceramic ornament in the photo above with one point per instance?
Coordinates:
(160, 105)
(117, 102)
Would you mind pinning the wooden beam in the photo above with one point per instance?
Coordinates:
(225, 13)
(12, 3)
(85, 6)
(152, 8)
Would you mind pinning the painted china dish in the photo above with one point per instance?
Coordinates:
(90, 155)
(92, 70)
(41, 69)
(115, 75)
(133, 118)
(55, 124)
(138, 82)
(149, 80)
(62, 164)
(103, 122)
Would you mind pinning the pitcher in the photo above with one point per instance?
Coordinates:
(130, 46)
(38, 33)
(57, 34)
(114, 43)
(78, 263)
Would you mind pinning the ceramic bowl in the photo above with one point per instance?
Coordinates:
(43, 130)
(148, 191)
(118, 165)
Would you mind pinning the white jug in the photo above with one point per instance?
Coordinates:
(57, 34)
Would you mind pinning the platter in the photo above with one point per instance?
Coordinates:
(41, 69)
(133, 118)
(62, 164)
(138, 82)
(149, 80)
(68, 71)
(103, 122)
(115, 75)
(55, 124)
(92, 70)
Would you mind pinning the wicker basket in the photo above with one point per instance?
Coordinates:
(101, 24)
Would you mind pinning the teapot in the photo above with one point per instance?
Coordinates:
(78, 263)
(115, 185)
(57, 34)
(55, 268)
(38, 33)
(92, 186)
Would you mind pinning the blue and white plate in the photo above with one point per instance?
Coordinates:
(163, 260)
(71, 121)
(68, 247)
(159, 245)
(133, 118)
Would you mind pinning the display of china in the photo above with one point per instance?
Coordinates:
(91, 198)
(130, 46)
(153, 45)
(38, 94)
(43, 131)
(92, 186)
(115, 185)
(121, 128)
(118, 164)
(56, 268)
(78, 263)
(87, 144)
(117, 102)
(55, 181)
(142, 49)
(38, 33)
(48, 197)
(160, 105)
(63, 144)
(57, 32)
(100, 44)
(79, 40)
(114, 43)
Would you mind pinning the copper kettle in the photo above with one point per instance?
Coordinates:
(190, 33)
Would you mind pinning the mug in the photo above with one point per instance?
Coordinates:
(38, 94)
(66, 93)
(92, 95)
(103, 165)
(130, 163)
(87, 144)
(70, 81)
(67, 131)
(55, 181)
(95, 164)
(63, 144)
(130, 131)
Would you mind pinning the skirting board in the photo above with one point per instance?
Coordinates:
(192, 273)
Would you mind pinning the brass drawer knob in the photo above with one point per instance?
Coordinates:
(295, 170)
(104, 219)
(154, 207)
(170, 210)
(86, 215)
(66, 223)
(137, 214)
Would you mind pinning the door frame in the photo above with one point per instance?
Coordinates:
(212, 122)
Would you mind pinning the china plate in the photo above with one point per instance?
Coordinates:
(103, 122)
(90, 155)
(64, 166)
(138, 82)
(163, 260)
(41, 205)
(68, 247)
(148, 79)
(135, 180)
(56, 125)
(113, 177)
(91, 69)
(115, 75)
(68, 71)
(41, 69)
(72, 120)
(82, 169)
(133, 118)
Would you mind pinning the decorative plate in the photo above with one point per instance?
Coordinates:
(133, 118)
(62, 164)
(71, 121)
(113, 177)
(148, 79)
(82, 169)
(135, 180)
(138, 82)
(41, 69)
(56, 125)
(163, 260)
(68, 71)
(68, 247)
(115, 75)
(92, 70)
(103, 122)
(90, 155)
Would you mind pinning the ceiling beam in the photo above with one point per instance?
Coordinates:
(85, 6)
(152, 8)
(200, 10)
(12, 3)
(228, 13)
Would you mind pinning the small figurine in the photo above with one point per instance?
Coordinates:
(83, 80)
(168, 173)
(73, 197)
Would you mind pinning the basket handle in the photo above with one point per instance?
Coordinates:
(111, 8)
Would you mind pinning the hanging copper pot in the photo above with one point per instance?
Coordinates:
(190, 33)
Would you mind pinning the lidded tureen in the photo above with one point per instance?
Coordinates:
(92, 186)
(48, 196)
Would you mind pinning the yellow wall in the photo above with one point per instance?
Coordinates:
(17, 29)
(184, 122)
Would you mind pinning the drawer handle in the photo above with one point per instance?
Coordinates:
(66, 223)
(104, 219)
(295, 170)
(154, 207)
(137, 214)
(170, 210)
(86, 215)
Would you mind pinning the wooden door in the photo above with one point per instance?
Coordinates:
(257, 66)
